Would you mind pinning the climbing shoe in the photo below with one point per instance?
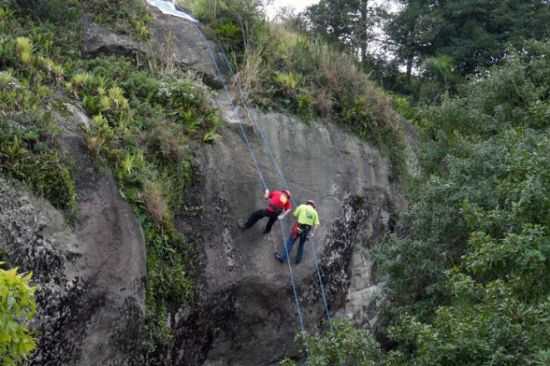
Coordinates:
(241, 225)
(297, 261)
(278, 257)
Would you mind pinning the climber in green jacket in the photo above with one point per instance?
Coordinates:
(307, 221)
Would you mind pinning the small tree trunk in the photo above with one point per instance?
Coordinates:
(363, 34)
(410, 62)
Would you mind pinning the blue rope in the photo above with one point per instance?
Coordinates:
(294, 289)
(245, 138)
(247, 143)
(285, 182)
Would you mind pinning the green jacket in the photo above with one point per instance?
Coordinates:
(306, 214)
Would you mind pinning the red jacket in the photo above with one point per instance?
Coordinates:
(275, 204)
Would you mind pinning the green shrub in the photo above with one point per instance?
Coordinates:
(124, 16)
(235, 23)
(288, 82)
(227, 31)
(23, 47)
(54, 71)
(49, 10)
(166, 143)
(470, 281)
(309, 78)
(28, 155)
(403, 106)
(17, 308)
(341, 344)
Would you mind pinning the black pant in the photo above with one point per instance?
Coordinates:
(256, 215)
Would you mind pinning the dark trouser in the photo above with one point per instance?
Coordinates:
(257, 215)
(290, 243)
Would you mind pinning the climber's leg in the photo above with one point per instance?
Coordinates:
(254, 217)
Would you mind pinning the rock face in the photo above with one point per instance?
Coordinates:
(112, 248)
(99, 40)
(247, 315)
(174, 43)
(89, 274)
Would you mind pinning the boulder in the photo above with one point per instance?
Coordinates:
(99, 40)
(174, 42)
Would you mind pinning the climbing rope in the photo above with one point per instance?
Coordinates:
(281, 174)
(258, 170)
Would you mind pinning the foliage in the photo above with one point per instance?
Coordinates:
(474, 34)
(48, 10)
(346, 24)
(124, 16)
(27, 156)
(27, 139)
(404, 107)
(469, 280)
(342, 344)
(24, 50)
(310, 78)
(234, 23)
(17, 308)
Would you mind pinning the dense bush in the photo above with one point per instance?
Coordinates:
(341, 344)
(123, 16)
(27, 139)
(48, 10)
(26, 154)
(287, 70)
(469, 281)
(234, 23)
(17, 308)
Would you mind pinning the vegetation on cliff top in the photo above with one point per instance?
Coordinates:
(279, 67)
(17, 308)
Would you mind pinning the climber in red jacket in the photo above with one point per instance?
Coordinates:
(278, 207)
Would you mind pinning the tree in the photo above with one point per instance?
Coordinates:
(347, 23)
(411, 32)
(474, 33)
(499, 290)
(17, 307)
(469, 275)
